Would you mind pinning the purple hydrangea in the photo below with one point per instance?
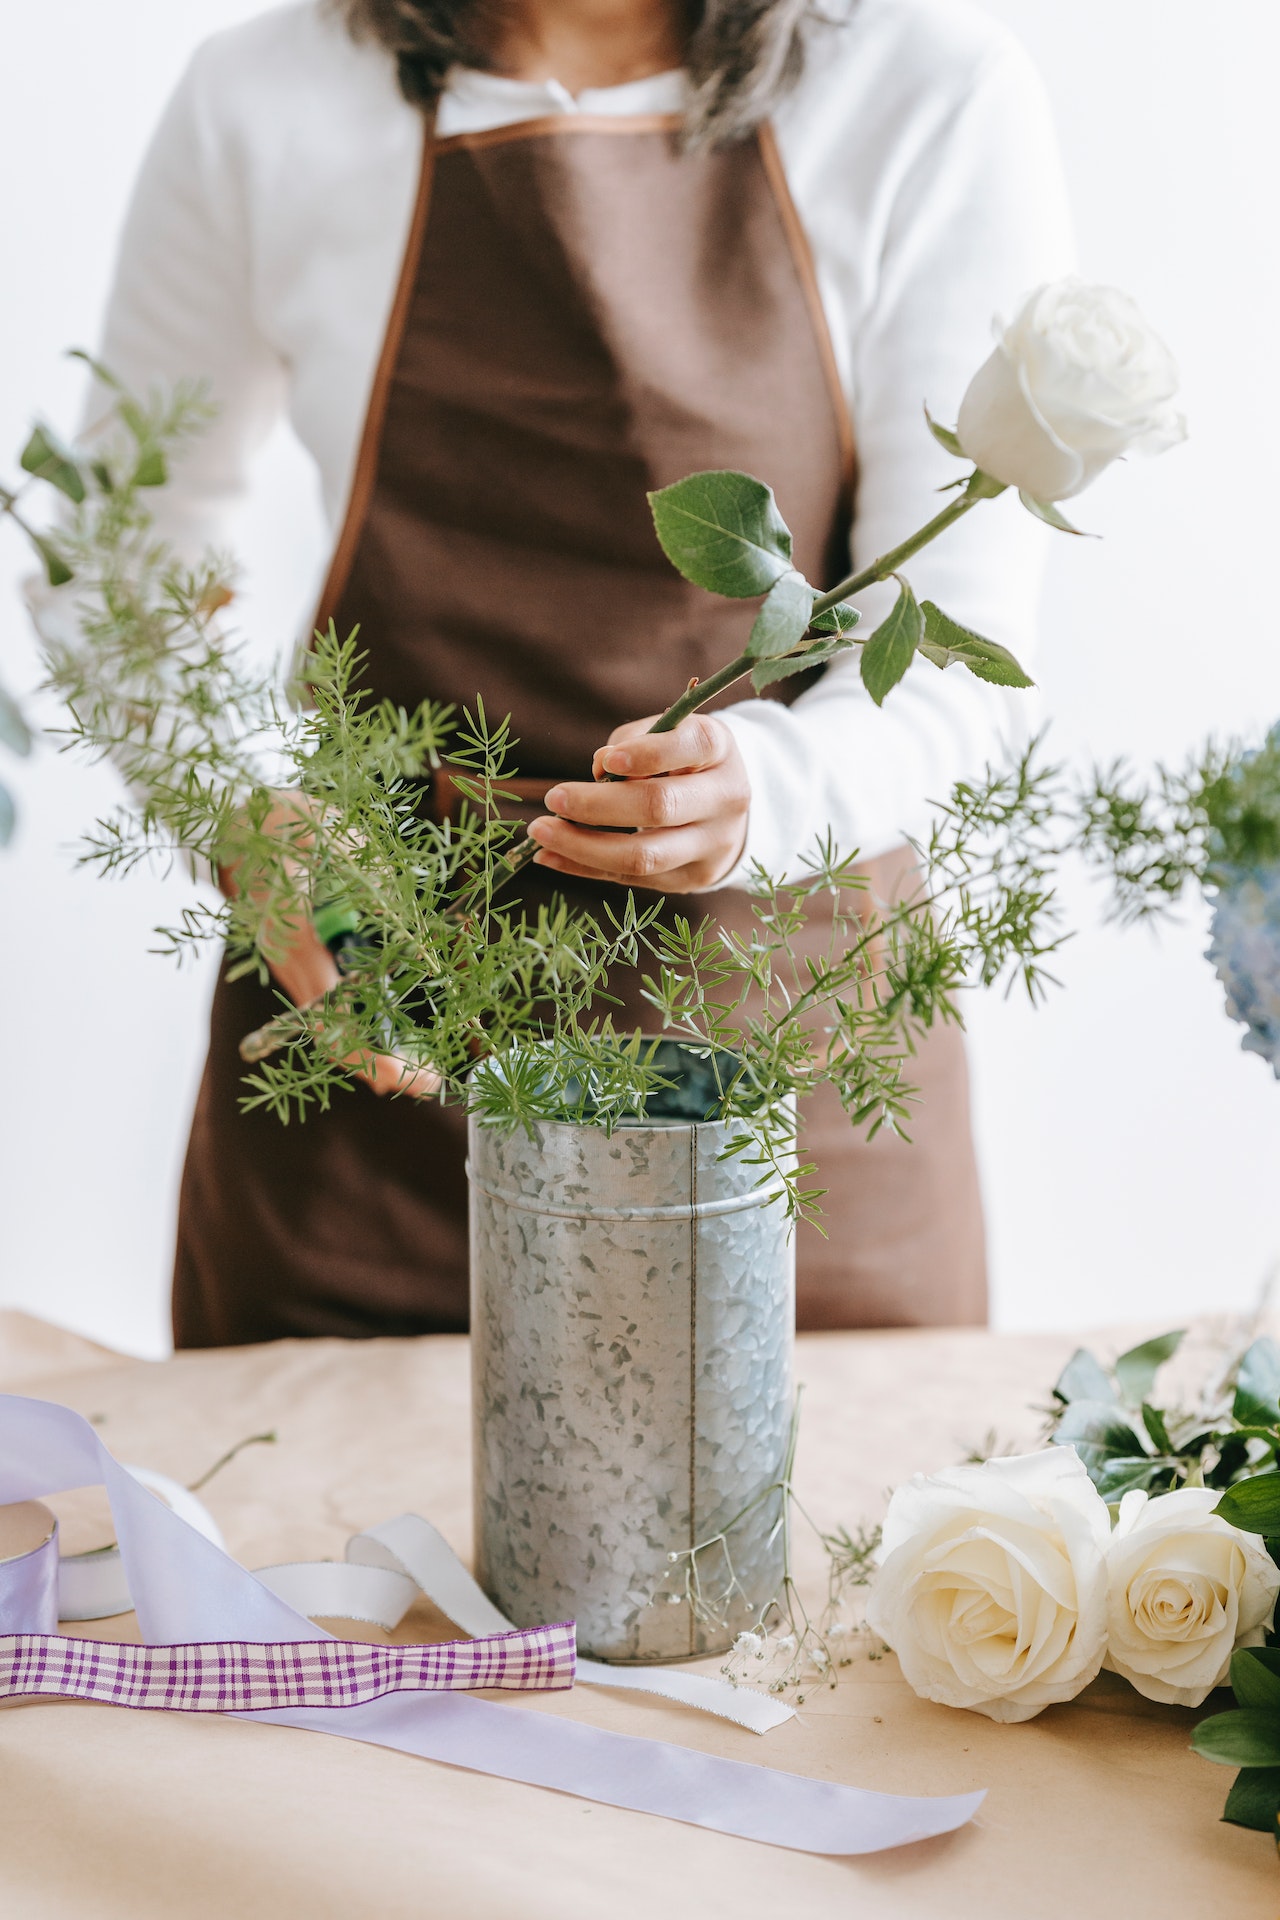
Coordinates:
(1244, 946)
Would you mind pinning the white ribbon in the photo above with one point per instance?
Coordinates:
(185, 1588)
(385, 1570)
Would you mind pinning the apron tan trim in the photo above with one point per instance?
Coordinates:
(561, 123)
(366, 469)
(802, 254)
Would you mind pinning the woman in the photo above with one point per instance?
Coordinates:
(506, 267)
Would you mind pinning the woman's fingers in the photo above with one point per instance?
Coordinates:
(639, 806)
(666, 811)
(678, 860)
(692, 879)
(387, 1073)
(633, 753)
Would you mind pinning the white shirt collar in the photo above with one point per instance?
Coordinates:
(474, 101)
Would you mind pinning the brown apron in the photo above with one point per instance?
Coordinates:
(584, 313)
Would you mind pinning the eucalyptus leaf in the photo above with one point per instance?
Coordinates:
(945, 437)
(1046, 511)
(892, 647)
(1254, 1506)
(96, 368)
(723, 531)
(838, 619)
(1255, 1677)
(946, 643)
(1136, 1370)
(803, 662)
(14, 731)
(57, 572)
(1257, 1400)
(1099, 1432)
(1117, 1474)
(45, 458)
(1254, 1799)
(135, 419)
(1083, 1378)
(1243, 1737)
(8, 816)
(783, 619)
(151, 470)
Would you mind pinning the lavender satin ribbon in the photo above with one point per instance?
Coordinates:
(187, 1589)
(29, 1586)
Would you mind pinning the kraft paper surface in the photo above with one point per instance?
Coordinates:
(1096, 1808)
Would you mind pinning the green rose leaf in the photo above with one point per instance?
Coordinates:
(1157, 1432)
(838, 619)
(945, 437)
(8, 816)
(151, 470)
(1046, 511)
(1083, 1379)
(947, 643)
(1257, 1401)
(14, 731)
(45, 458)
(815, 656)
(1255, 1677)
(1254, 1799)
(723, 531)
(1136, 1370)
(892, 647)
(1253, 1505)
(1244, 1737)
(783, 619)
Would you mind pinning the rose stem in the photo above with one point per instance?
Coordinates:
(980, 487)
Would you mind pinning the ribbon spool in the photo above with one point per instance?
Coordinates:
(28, 1568)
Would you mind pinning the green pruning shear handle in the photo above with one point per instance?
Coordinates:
(333, 922)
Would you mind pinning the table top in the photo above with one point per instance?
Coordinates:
(1097, 1808)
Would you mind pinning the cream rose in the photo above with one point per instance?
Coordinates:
(992, 1584)
(1077, 380)
(1185, 1589)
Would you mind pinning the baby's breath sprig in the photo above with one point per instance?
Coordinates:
(788, 1649)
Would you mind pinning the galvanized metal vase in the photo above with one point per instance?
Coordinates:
(632, 1315)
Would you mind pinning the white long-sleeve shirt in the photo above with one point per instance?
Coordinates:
(263, 246)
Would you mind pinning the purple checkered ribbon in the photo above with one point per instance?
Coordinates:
(238, 1676)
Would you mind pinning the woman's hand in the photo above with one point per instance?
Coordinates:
(303, 966)
(678, 814)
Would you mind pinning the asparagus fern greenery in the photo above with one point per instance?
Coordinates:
(319, 808)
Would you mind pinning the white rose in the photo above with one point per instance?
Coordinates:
(1186, 1589)
(992, 1585)
(1078, 380)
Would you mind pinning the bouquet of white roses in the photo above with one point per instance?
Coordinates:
(1144, 1541)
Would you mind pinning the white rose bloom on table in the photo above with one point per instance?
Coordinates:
(1076, 381)
(1185, 1589)
(992, 1584)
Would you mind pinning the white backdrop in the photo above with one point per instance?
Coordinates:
(1130, 1151)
